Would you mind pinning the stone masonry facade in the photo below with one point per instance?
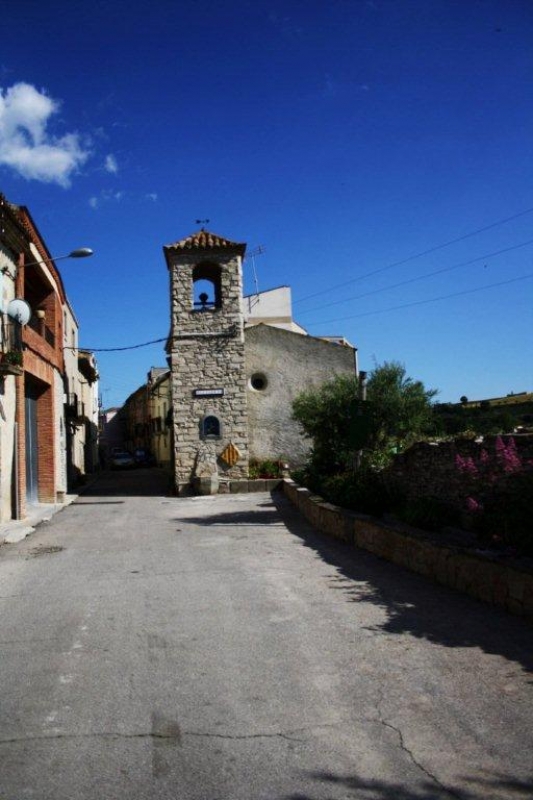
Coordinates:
(206, 356)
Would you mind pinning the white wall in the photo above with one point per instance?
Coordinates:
(7, 397)
(273, 307)
(290, 364)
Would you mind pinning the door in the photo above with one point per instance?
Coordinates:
(32, 447)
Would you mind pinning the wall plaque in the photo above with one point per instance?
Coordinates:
(208, 392)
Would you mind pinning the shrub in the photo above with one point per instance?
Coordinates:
(364, 491)
(505, 518)
(13, 357)
(264, 469)
(428, 513)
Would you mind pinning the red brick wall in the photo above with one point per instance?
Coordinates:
(36, 367)
(46, 439)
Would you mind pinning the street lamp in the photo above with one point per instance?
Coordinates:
(81, 252)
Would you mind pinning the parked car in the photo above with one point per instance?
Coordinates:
(121, 459)
(143, 457)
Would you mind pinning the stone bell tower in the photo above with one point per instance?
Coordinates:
(206, 356)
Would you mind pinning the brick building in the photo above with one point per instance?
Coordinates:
(33, 387)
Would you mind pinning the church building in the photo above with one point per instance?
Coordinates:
(236, 365)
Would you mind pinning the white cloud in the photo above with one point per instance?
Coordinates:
(111, 164)
(152, 196)
(25, 144)
(106, 196)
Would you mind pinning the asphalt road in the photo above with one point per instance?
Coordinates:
(219, 649)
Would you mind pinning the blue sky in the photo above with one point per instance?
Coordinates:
(343, 136)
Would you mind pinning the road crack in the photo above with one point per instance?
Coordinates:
(146, 735)
(382, 721)
(244, 737)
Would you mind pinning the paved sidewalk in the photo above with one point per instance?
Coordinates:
(15, 530)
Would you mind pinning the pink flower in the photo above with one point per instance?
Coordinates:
(469, 466)
(499, 445)
(459, 462)
(472, 505)
(465, 464)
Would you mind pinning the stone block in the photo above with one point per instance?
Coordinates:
(517, 585)
(238, 487)
(206, 485)
(500, 590)
(302, 495)
(528, 604)
(514, 606)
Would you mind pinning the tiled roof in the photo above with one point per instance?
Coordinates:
(204, 240)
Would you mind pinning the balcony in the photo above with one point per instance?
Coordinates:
(38, 325)
(11, 355)
(74, 409)
(87, 368)
(11, 363)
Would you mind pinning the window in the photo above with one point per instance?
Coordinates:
(258, 381)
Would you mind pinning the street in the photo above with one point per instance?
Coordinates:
(218, 648)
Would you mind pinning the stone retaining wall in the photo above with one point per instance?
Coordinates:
(255, 485)
(430, 469)
(504, 582)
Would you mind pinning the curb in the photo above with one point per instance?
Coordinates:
(504, 582)
(16, 530)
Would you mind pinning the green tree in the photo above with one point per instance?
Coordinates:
(402, 409)
(324, 414)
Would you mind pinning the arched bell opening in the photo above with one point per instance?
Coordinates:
(206, 287)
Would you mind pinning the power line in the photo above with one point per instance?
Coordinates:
(417, 255)
(418, 278)
(327, 321)
(423, 302)
(118, 349)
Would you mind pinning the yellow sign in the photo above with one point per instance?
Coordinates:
(230, 455)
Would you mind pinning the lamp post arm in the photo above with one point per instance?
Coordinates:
(81, 252)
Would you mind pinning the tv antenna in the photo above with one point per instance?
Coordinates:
(257, 251)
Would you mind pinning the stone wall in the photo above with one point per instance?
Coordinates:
(503, 582)
(290, 363)
(431, 470)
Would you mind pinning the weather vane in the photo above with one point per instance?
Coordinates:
(202, 222)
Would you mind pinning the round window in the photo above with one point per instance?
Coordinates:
(258, 381)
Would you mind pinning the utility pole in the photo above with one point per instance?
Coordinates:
(361, 397)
